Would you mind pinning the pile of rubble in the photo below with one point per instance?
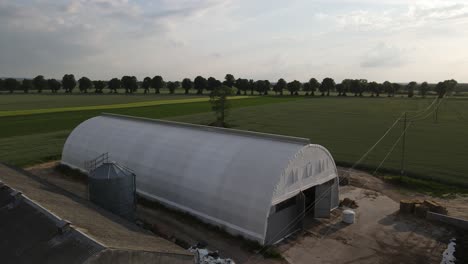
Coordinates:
(420, 208)
(203, 256)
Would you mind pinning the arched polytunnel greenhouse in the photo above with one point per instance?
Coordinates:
(251, 184)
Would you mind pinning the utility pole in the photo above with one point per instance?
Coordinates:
(402, 172)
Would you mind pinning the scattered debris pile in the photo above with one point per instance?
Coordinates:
(203, 256)
(346, 202)
(420, 208)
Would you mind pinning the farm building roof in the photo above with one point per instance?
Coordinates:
(29, 227)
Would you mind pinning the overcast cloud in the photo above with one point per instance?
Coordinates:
(378, 40)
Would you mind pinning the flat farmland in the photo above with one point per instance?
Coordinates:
(16, 101)
(348, 127)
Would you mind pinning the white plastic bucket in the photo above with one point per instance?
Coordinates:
(348, 216)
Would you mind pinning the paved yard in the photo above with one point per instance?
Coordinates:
(380, 235)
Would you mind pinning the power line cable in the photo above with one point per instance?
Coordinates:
(391, 150)
(428, 114)
(419, 112)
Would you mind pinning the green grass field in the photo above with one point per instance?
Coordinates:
(107, 107)
(346, 126)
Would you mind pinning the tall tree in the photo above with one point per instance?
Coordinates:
(315, 85)
(363, 86)
(328, 85)
(11, 84)
(339, 88)
(445, 87)
(213, 83)
(146, 84)
(1, 85)
(451, 86)
(157, 83)
(220, 104)
(26, 85)
(134, 84)
(358, 86)
(374, 89)
(187, 85)
(440, 89)
(68, 83)
(280, 86)
(54, 85)
(99, 86)
(230, 81)
(114, 84)
(251, 86)
(39, 83)
(345, 87)
(199, 84)
(267, 87)
(242, 85)
(306, 87)
(355, 87)
(172, 86)
(130, 84)
(396, 88)
(380, 89)
(388, 88)
(84, 83)
(294, 87)
(423, 89)
(410, 87)
(260, 87)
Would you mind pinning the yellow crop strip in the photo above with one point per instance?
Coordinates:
(111, 106)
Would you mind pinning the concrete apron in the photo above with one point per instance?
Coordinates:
(379, 235)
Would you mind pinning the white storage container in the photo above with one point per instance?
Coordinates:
(348, 216)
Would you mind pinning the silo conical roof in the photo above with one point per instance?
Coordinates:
(109, 170)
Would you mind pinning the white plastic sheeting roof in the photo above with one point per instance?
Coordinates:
(226, 177)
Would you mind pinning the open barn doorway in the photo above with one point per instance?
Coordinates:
(289, 216)
(309, 200)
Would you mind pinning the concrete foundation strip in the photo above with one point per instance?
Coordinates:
(453, 221)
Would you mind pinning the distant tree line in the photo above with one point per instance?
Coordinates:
(313, 87)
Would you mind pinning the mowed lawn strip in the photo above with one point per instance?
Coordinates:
(11, 102)
(31, 139)
(108, 107)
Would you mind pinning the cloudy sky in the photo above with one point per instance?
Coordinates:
(262, 39)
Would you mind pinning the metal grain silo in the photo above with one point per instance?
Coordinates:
(113, 188)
